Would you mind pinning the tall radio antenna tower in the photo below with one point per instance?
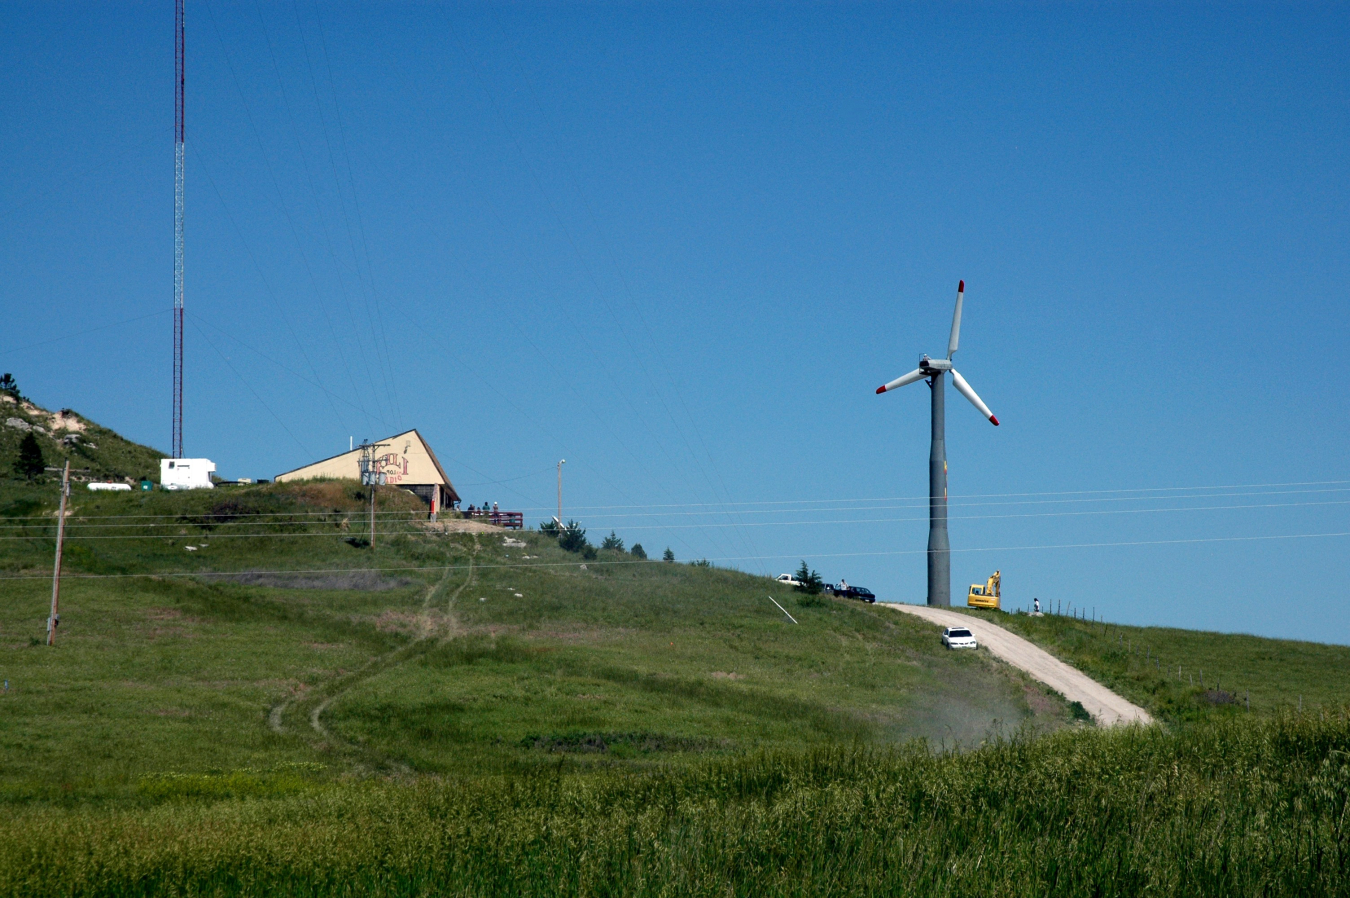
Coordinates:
(178, 232)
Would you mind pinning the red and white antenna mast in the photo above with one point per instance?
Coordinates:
(179, 82)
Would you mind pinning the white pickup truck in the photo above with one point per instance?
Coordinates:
(787, 580)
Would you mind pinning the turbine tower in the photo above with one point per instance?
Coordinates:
(933, 370)
(179, 82)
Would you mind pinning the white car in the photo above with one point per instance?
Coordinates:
(958, 638)
(787, 580)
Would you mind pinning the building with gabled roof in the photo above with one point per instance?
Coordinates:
(406, 461)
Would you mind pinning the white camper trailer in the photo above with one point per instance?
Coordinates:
(186, 473)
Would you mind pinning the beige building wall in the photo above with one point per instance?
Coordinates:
(405, 460)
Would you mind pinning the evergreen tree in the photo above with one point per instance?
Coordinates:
(10, 387)
(30, 463)
(638, 552)
(612, 542)
(573, 537)
(808, 581)
(669, 556)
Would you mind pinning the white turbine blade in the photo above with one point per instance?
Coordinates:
(976, 401)
(911, 377)
(956, 321)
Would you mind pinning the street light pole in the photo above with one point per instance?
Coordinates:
(560, 464)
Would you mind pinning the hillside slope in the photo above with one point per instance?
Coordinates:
(185, 646)
(94, 451)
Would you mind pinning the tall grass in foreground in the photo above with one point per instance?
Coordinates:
(1229, 808)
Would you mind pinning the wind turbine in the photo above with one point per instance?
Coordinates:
(939, 549)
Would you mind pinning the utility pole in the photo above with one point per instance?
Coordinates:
(371, 477)
(561, 462)
(55, 618)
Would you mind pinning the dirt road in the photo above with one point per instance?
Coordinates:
(1106, 708)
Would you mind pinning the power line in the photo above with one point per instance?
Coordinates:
(281, 204)
(599, 562)
(205, 517)
(587, 271)
(974, 495)
(351, 182)
(986, 517)
(318, 208)
(92, 330)
(777, 511)
(276, 303)
(654, 344)
(241, 379)
(179, 519)
(905, 504)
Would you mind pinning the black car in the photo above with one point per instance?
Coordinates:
(861, 593)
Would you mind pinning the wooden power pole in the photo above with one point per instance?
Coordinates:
(55, 618)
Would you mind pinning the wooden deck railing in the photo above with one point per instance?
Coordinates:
(511, 520)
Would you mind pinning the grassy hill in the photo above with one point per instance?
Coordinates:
(94, 452)
(1183, 676)
(182, 649)
(247, 698)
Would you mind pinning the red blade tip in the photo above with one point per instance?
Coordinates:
(995, 420)
(961, 287)
(881, 390)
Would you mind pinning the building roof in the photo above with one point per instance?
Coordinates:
(404, 464)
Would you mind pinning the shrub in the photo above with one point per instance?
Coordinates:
(612, 542)
(588, 552)
(669, 555)
(549, 527)
(573, 537)
(638, 552)
(702, 562)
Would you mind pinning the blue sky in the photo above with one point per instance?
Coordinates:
(681, 246)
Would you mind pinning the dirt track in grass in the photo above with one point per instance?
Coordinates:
(1106, 707)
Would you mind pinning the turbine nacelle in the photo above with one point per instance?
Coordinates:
(930, 367)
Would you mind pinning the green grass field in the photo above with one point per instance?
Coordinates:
(483, 713)
(1228, 808)
(461, 654)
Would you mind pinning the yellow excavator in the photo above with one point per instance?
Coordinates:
(986, 596)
